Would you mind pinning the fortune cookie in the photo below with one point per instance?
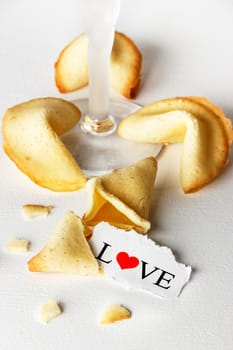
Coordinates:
(122, 198)
(31, 133)
(71, 68)
(202, 127)
(67, 250)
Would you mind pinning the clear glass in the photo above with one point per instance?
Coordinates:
(96, 154)
(99, 20)
(94, 142)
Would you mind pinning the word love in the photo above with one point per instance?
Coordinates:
(138, 262)
(129, 262)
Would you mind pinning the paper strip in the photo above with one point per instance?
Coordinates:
(139, 262)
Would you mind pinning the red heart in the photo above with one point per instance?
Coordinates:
(127, 262)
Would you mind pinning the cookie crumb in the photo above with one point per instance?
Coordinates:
(17, 246)
(114, 313)
(32, 211)
(48, 311)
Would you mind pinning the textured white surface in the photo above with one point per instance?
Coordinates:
(187, 49)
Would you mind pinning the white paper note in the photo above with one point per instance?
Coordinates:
(137, 261)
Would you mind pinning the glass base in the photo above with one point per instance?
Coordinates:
(99, 154)
(96, 127)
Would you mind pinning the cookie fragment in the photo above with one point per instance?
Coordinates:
(48, 311)
(17, 246)
(32, 211)
(114, 313)
(67, 250)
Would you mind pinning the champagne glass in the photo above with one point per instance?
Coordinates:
(94, 142)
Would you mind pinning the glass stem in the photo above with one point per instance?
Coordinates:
(98, 121)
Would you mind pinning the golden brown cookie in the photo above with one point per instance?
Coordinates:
(31, 133)
(71, 68)
(202, 127)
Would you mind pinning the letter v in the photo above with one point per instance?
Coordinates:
(144, 274)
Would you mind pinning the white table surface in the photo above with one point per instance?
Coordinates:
(187, 48)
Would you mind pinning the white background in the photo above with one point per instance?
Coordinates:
(187, 50)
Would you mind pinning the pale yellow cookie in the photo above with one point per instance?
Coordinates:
(67, 250)
(31, 133)
(71, 68)
(202, 127)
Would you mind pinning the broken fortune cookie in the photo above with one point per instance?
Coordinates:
(122, 198)
(67, 250)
